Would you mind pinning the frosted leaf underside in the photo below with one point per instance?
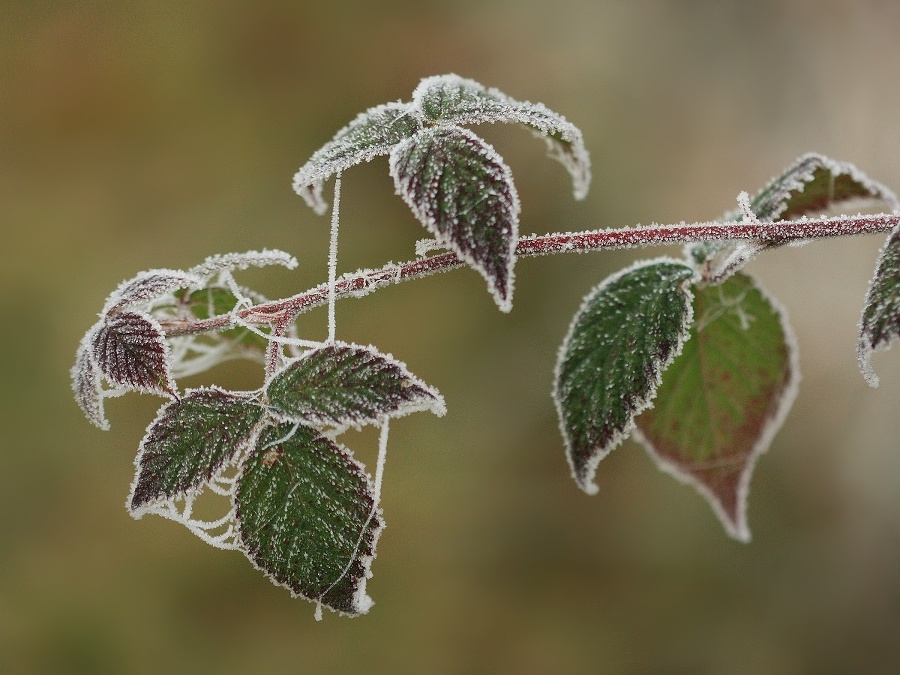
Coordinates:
(307, 517)
(813, 184)
(724, 397)
(131, 352)
(148, 286)
(190, 440)
(242, 261)
(808, 187)
(462, 192)
(373, 133)
(341, 385)
(627, 331)
(86, 383)
(880, 322)
(450, 99)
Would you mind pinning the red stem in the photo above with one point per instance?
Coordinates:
(363, 282)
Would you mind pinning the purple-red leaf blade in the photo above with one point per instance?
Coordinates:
(463, 193)
(722, 400)
(130, 350)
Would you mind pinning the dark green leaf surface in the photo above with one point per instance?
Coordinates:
(341, 385)
(462, 192)
(625, 334)
(372, 133)
(450, 99)
(130, 350)
(880, 322)
(307, 517)
(190, 440)
(724, 397)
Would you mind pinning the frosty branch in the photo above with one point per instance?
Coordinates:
(647, 346)
(363, 282)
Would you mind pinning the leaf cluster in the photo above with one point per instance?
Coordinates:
(689, 355)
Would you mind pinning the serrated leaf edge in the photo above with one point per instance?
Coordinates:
(153, 506)
(739, 529)
(586, 482)
(865, 348)
(84, 359)
(309, 180)
(361, 600)
(170, 389)
(489, 154)
(438, 406)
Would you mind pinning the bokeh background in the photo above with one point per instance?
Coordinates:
(138, 134)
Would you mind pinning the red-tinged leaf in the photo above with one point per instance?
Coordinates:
(148, 286)
(459, 188)
(308, 517)
(344, 385)
(189, 441)
(813, 184)
(130, 350)
(724, 397)
(451, 99)
(880, 323)
(86, 382)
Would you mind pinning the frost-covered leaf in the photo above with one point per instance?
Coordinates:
(373, 133)
(189, 441)
(813, 184)
(451, 99)
(206, 303)
(460, 189)
(880, 322)
(724, 397)
(86, 382)
(148, 286)
(130, 350)
(342, 385)
(241, 261)
(626, 333)
(308, 517)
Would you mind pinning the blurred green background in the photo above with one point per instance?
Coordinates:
(138, 134)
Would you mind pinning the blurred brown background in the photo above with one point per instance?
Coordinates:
(138, 134)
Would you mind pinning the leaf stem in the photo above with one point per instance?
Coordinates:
(362, 282)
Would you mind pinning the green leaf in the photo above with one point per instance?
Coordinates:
(880, 322)
(215, 301)
(627, 331)
(450, 99)
(308, 517)
(344, 385)
(724, 397)
(188, 442)
(462, 192)
(374, 132)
